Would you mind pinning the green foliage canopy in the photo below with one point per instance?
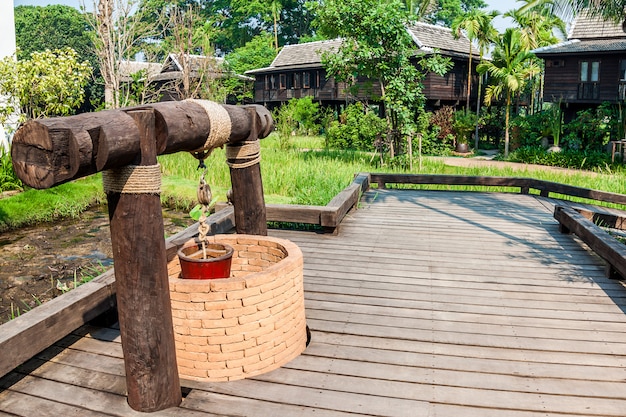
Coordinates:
(377, 46)
(52, 27)
(50, 83)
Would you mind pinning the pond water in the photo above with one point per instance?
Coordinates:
(41, 262)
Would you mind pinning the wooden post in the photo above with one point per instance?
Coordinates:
(137, 237)
(247, 195)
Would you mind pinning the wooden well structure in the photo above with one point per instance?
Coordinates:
(124, 144)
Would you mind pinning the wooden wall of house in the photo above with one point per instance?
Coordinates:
(452, 87)
(562, 80)
(289, 84)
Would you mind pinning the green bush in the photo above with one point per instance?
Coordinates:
(298, 116)
(357, 129)
(8, 179)
(567, 158)
(591, 129)
(464, 124)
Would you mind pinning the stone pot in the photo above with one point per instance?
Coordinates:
(462, 147)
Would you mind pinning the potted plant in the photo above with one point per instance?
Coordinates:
(464, 124)
(202, 258)
(205, 260)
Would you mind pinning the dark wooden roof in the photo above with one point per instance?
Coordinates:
(431, 37)
(427, 38)
(586, 27)
(589, 34)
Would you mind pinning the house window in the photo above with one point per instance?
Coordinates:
(266, 84)
(296, 80)
(588, 88)
(590, 71)
(272, 82)
(306, 80)
(622, 70)
(282, 81)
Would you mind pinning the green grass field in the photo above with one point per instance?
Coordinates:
(305, 173)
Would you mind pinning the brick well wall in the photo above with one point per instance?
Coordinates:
(245, 325)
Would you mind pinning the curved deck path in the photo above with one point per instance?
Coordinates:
(427, 303)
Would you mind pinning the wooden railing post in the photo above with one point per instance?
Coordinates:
(245, 176)
(143, 298)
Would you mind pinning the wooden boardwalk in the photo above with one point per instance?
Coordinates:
(426, 304)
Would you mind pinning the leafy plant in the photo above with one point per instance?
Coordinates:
(443, 118)
(464, 124)
(357, 128)
(50, 83)
(8, 178)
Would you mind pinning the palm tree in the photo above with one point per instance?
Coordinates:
(478, 28)
(609, 9)
(537, 26)
(511, 66)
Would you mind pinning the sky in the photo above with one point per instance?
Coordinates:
(500, 5)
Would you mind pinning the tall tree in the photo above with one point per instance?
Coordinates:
(537, 26)
(119, 29)
(511, 66)
(478, 27)
(609, 9)
(444, 12)
(268, 11)
(377, 46)
(52, 27)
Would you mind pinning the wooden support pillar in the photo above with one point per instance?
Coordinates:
(143, 298)
(247, 196)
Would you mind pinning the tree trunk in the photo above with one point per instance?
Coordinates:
(469, 79)
(506, 123)
(480, 86)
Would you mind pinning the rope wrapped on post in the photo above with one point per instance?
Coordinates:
(247, 153)
(133, 179)
(220, 123)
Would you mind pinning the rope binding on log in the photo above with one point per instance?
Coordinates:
(243, 154)
(220, 125)
(133, 179)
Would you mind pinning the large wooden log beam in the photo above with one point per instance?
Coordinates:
(52, 151)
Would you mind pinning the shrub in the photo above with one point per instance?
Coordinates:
(591, 129)
(443, 120)
(567, 158)
(357, 128)
(297, 116)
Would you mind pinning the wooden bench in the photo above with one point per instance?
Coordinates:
(608, 248)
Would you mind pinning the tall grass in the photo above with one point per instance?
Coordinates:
(291, 176)
(305, 173)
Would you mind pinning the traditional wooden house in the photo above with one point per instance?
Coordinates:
(587, 69)
(168, 79)
(297, 71)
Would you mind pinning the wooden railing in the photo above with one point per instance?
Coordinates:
(545, 188)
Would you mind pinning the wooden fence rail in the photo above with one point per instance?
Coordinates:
(525, 185)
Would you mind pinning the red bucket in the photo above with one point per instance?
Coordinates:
(217, 263)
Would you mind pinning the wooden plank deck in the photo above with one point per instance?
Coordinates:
(427, 303)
